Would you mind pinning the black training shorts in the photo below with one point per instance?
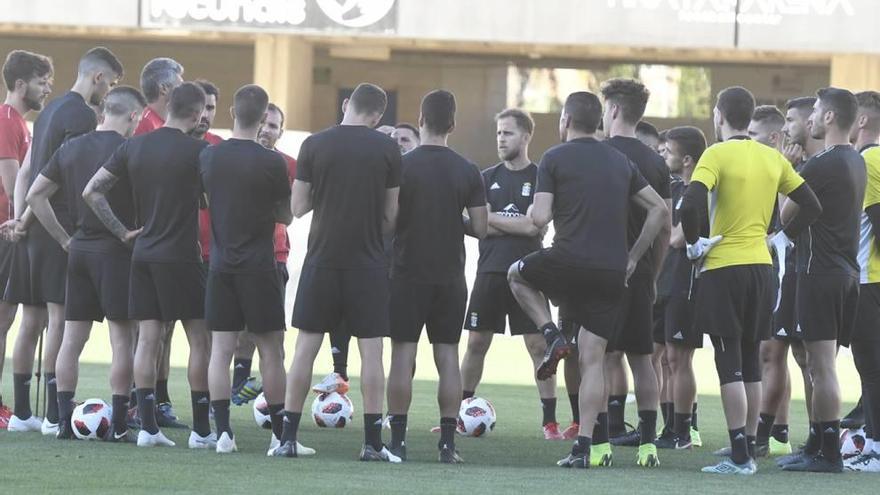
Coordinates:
(635, 317)
(327, 296)
(736, 302)
(785, 318)
(166, 291)
(235, 301)
(589, 295)
(97, 286)
(492, 307)
(826, 306)
(439, 308)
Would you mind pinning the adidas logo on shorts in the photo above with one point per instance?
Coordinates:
(782, 333)
(678, 336)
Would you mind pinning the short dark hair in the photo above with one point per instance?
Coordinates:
(842, 102)
(123, 100)
(438, 111)
(368, 98)
(275, 108)
(208, 87)
(803, 104)
(869, 102)
(187, 101)
(631, 95)
(736, 104)
(648, 129)
(769, 114)
(691, 140)
(250, 103)
(585, 111)
(158, 72)
(26, 66)
(522, 118)
(100, 57)
(661, 136)
(405, 125)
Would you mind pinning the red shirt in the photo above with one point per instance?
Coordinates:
(282, 240)
(15, 138)
(150, 121)
(204, 215)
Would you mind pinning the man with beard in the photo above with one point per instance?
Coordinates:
(38, 276)
(510, 187)
(28, 79)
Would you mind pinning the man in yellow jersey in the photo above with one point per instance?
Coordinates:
(828, 271)
(865, 136)
(734, 298)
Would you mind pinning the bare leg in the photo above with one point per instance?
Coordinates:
(474, 358)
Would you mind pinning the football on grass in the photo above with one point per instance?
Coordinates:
(476, 418)
(332, 410)
(91, 420)
(261, 412)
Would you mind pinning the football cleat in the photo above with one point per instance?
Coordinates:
(648, 456)
(727, 466)
(247, 391)
(49, 428)
(864, 463)
(226, 444)
(165, 417)
(632, 438)
(666, 440)
(158, 440)
(601, 455)
(333, 382)
(33, 423)
(572, 460)
(696, 441)
(449, 456)
(793, 458)
(197, 441)
(551, 432)
(368, 453)
(399, 451)
(5, 414)
(777, 448)
(571, 432)
(557, 350)
(816, 464)
(114, 437)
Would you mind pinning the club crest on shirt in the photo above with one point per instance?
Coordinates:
(526, 189)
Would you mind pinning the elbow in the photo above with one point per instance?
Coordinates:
(480, 232)
(90, 196)
(31, 199)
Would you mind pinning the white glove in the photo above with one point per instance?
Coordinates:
(780, 243)
(702, 247)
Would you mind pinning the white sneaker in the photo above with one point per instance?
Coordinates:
(727, 466)
(157, 440)
(48, 428)
(331, 383)
(197, 441)
(274, 443)
(226, 444)
(31, 424)
(865, 463)
(302, 450)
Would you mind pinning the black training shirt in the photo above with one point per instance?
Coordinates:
(244, 182)
(63, 118)
(831, 244)
(681, 270)
(436, 185)
(163, 168)
(592, 184)
(349, 168)
(508, 192)
(653, 168)
(72, 167)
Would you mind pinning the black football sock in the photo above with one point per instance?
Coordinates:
(162, 392)
(291, 426)
(831, 440)
(132, 397)
(550, 332)
(21, 393)
(447, 433)
(467, 394)
(780, 433)
(373, 430)
(647, 426)
(339, 342)
(65, 407)
(120, 413)
(813, 440)
(667, 410)
(51, 398)
(600, 430)
(548, 406)
(241, 371)
(682, 426)
(202, 413)
(398, 430)
(146, 405)
(276, 416)
(750, 446)
(616, 411)
(582, 446)
(694, 417)
(765, 424)
(221, 417)
(739, 445)
(574, 401)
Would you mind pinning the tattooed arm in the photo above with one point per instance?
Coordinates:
(95, 195)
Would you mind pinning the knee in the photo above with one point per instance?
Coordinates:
(478, 344)
(513, 273)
